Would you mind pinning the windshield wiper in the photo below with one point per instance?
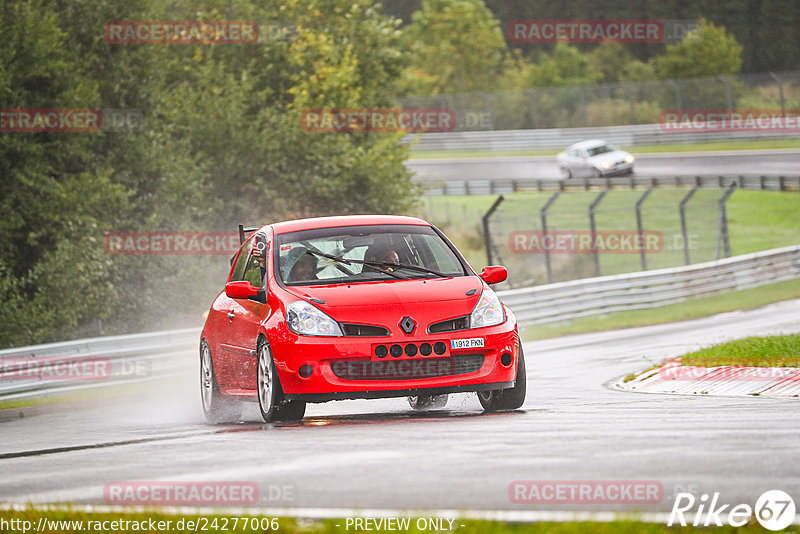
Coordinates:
(401, 266)
(313, 250)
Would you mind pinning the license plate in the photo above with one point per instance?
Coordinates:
(470, 343)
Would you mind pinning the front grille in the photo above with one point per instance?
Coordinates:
(451, 325)
(407, 369)
(364, 330)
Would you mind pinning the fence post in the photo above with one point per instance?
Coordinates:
(639, 226)
(678, 100)
(543, 217)
(593, 229)
(728, 96)
(780, 92)
(489, 107)
(722, 236)
(684, 228)
(487, 237)
(534, 122)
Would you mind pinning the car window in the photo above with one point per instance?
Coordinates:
(243, 264)
(337, 255)
(602, 149)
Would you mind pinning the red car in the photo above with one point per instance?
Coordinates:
(356, 307)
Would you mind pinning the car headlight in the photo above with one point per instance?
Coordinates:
(305, 319)
(488, 311)
(629, 159)
(606, 164)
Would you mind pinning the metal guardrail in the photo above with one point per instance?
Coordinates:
(504, 186)
(41, 370)
(560, 138)
(562, 301)
(165, 353)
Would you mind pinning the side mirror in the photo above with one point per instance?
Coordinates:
(494, 274)
(245, 290)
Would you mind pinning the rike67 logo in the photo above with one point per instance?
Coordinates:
(774, 510)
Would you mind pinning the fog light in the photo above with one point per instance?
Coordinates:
(425, 349)
(439, 348)
(411, 350)
(396, 351)
(381, 351)
(305, 371)
(505, 359)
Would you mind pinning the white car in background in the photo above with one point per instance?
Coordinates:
(594, 158)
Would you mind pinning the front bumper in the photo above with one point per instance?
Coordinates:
(624, 168)
(348, 367)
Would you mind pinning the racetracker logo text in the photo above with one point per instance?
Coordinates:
(585, 242)
(180, 493)
(586, 492)
(586, 31)
(675, 371)
(178, 243)
(69, 120)
(721, 120)
(54, 368)
(180, 32)
(378, 120)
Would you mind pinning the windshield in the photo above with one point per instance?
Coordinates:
(602, 149)
(364, 254)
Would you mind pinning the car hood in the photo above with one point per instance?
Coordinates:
(385, 303)
(611, 157)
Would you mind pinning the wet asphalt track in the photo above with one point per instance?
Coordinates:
(380, 454)
(753, 162)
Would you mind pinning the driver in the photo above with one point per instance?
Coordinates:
(305, 268)
(382, 254)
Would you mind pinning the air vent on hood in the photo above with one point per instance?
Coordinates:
(364, 330)
(451, 325)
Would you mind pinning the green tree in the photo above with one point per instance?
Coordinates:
(707, 51)
(454, 46)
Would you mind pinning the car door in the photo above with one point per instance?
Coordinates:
(576, 162)
(243, 318)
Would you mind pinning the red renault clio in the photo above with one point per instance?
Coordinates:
(351, 308)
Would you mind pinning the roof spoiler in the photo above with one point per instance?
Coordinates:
(245, 232)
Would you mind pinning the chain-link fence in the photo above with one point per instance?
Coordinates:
(546, 237)
(614, 104)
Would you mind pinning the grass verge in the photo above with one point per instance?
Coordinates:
(765, 144)
(768, 351)
(692, 309)
(110, 391)
(216, 523)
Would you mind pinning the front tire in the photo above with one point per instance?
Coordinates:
(271, 401)
(427, 402)
(507, 399)
(216, 407)
(566, 172)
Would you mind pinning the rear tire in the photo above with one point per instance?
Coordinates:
(427, 402)
(507, 399)
(216, 407)
(271, 402)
